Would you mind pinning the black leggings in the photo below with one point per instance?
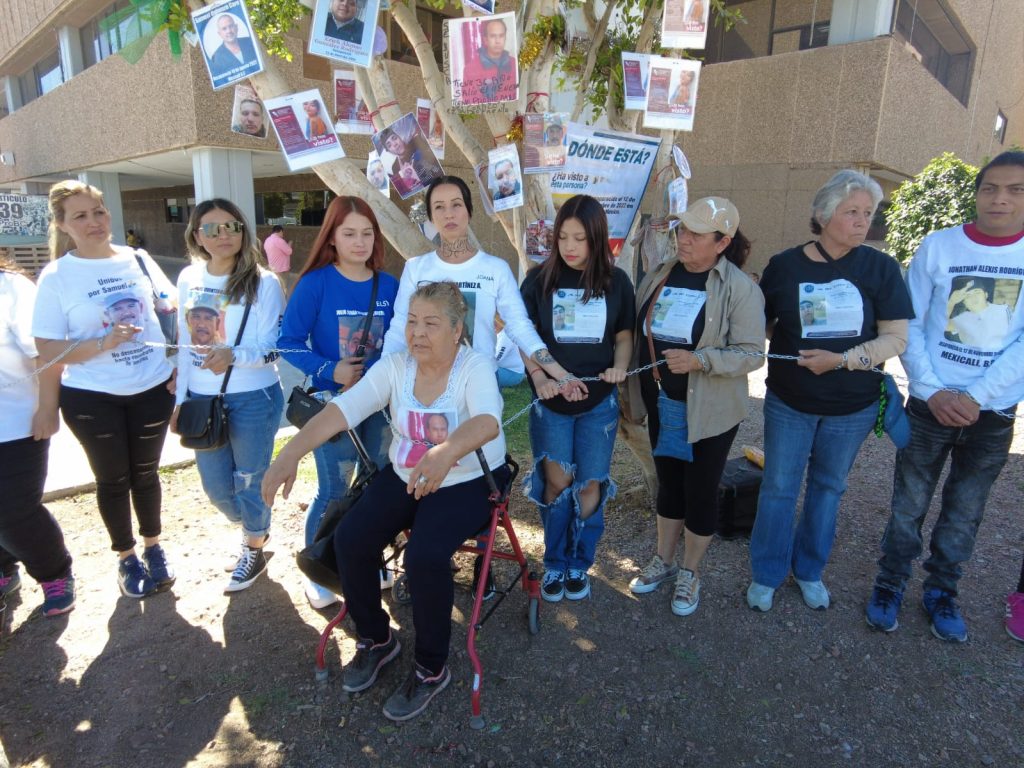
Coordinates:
(28, 531)
(1020, 584)
(688, 490)
(440, 523)
(122, 436)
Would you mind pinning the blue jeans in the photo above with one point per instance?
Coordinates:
(509, 378)
(979, 453)
(582, 446)
(827, 447)
(232, 474)
(336, 466)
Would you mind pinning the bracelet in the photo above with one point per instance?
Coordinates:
(99, 344)
(845, 361)
(535, 370)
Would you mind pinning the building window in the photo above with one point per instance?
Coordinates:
(432, 22)
(179, 209)
(937, 43)
(109, 31)
(48, 73)
(1000, 127)
(800, 38)
(304, 209)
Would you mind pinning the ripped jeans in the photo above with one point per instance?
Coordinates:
(582, 445)
(232, 474)
(122, 436)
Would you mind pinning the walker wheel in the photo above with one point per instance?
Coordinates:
(533, 615)
(476, 722)
(321, 675)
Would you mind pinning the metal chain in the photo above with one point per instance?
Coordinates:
(15, 382)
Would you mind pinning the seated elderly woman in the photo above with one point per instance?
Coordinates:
(842, 308)
(443, 496)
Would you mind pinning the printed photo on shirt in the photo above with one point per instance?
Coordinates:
(481, 55)
(426, 429)
(124, 307)
(470, 297)
(204, 316)
(575, 321)
(674, 314)
(832, 310)
(350, 335)
(229, 46)
(980, 311)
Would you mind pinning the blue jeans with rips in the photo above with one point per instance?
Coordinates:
(979, 453)
(337, 465)
(581, 445)
(233, 473)
(827, 446)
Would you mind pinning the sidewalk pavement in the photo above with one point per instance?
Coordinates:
(69, 472)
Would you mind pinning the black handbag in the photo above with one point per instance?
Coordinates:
(302, 405)
(203, 420)
(317, 561)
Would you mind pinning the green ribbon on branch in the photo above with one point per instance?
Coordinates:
(136, 26)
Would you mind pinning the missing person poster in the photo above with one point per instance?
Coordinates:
(406, 155)
(684, 23)
(504, 179)
(671, 94)
(247, 115)
(344, 30)
(350, 112)
(481, 56)
(635, 68)
(228, 43)
(304, 129)
(376, 174)
(612, 167)
(429, 120)
(544, 141)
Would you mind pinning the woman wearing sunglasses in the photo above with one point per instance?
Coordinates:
(222, 291)
(94, 309)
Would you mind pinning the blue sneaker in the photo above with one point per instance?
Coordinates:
(133, 579)
(947, 623)
(156, 564)
(58, 596)
(883, 608)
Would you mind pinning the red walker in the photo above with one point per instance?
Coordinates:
(484, 548)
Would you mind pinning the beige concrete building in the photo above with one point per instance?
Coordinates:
(803, 88)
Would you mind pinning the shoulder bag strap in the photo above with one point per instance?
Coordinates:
(238, 340)
(142, 266)
(647, 326)
(370, 312)
(837, 266)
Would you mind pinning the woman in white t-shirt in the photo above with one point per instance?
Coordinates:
(28, 416)
(443, 496)
(95, 311)
(223, 288)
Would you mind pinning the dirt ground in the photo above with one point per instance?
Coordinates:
(197, 678)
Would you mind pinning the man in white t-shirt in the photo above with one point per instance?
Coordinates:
(964, 392)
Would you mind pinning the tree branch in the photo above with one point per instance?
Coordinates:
(588, 70)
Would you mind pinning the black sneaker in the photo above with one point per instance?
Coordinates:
(489, 589)
(577, 584)
(250, 565)
(552, 587)
(159, 570)
(360, 673)
(413, 696)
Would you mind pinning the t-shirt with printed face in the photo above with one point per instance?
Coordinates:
(677, 322)
(817, 305)
(580, 335)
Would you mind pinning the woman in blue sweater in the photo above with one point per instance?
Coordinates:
(326, 317)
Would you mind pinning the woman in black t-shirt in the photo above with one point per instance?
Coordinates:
(842, 309)
(583, 309)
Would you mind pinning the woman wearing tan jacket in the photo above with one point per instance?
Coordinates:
(705, 318)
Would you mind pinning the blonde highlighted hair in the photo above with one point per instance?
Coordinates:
(60, 242)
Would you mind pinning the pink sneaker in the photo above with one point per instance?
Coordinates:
(1015, 616)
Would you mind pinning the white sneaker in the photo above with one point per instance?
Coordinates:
(320, 597)
(652, 576)
(687, 594)
(759, 597)
(815, 594)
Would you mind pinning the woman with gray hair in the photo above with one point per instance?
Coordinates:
(841, 308)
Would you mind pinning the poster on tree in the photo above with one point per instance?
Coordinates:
(350, 112)
(344, 30)
(684, 23)
(304, 129)
(671, 94)
(481, 56)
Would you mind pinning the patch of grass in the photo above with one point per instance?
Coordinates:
(307, 467)
(517, 434)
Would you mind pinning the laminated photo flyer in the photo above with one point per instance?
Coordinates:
(408, 160)
(344, 30)
(350, 112)
(304, 129)
(376, 175)
(544, 141)
(247, 114)
(429, 120)
(684, 23)
(228, 43)
(504, 178)
(671, 94)
(635, 67)
(482, 60)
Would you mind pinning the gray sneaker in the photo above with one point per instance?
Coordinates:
(687, 594)
(413, 696)
(360, 673)
(652, 576)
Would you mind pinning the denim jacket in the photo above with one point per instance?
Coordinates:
(734, 320)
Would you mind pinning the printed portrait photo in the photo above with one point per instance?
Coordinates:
(248, 116)
(980, 311)
(227, 41)
(204, 316)
(125, 308)
(406, 156)
(427, 429)
(484, 69)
